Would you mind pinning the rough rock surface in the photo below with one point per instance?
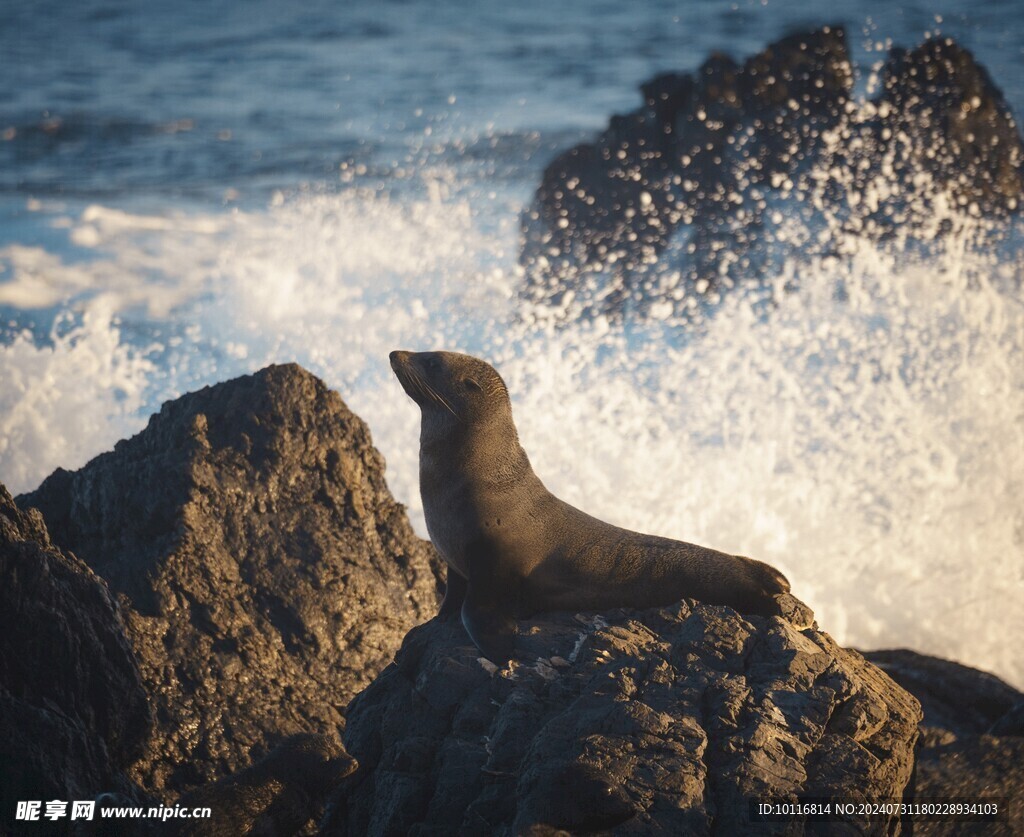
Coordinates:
(73, 711)
(663, 721)
(677, 159)
(721, 173)
(955, 698)
(265, 570)
(282, 794)
(972, 741)
(947, 117)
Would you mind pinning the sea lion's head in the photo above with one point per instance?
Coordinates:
(453, 388)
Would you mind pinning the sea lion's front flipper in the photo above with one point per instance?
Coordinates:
(490, 627)
(454, 595)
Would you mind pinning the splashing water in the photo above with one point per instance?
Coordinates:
(863, 432)
(65, 401)
(869, 444)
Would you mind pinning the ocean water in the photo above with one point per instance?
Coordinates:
(191, 191)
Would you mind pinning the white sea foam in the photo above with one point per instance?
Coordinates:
(69, 398)
(871, 448)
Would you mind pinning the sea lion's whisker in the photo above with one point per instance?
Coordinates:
(428, 391)
(440, 399)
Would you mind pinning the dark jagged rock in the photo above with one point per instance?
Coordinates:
(973, 767)
(706, 173)
(265, 570)
(73, 710)
(954, 697)
(971, 736)
(663, 721)
(948, 118)
(616, 202)
(279, 795)
(1012, 723)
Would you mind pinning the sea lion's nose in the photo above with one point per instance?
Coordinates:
(398, 358)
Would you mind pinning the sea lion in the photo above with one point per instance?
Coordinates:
(514, 549)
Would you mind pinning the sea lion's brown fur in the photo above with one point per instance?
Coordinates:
(513, 548)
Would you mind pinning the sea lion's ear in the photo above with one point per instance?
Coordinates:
(471, 384)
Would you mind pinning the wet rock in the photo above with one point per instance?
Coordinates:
(675, 161)
(724, 173)
(265, 571)
(73, 710)
(971, 744)
(633, 722)
(946, 117)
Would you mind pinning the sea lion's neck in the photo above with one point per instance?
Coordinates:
(469, 474)
(488, 452)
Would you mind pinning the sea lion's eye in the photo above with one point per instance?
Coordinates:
(469, 383)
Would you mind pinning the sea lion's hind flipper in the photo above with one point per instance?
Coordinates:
(489, 626)
(772, 581)
(454, 595)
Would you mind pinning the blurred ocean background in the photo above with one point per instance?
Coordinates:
(192, 190)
